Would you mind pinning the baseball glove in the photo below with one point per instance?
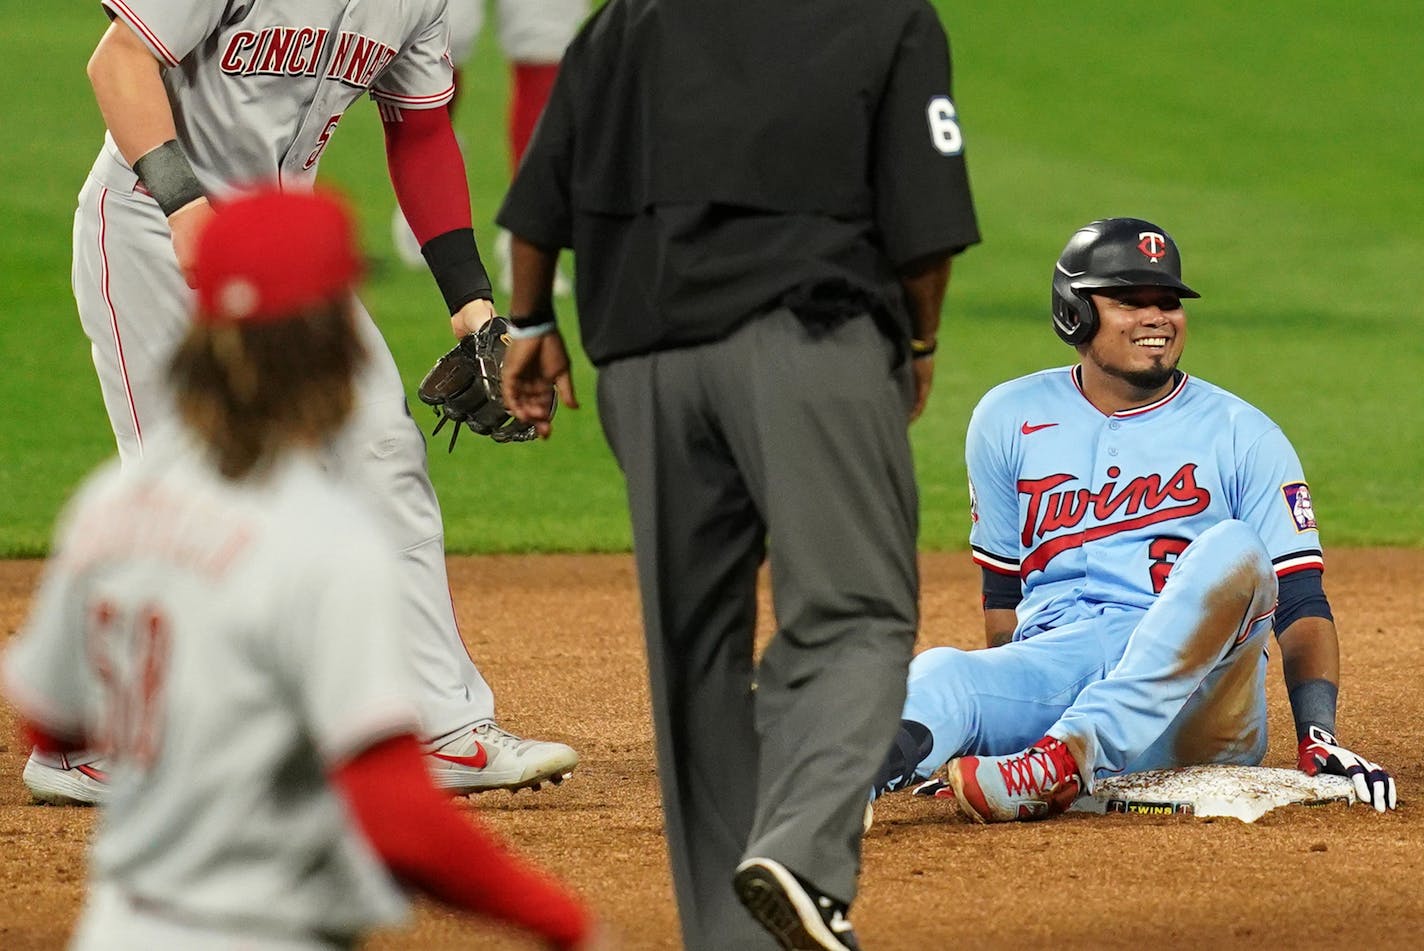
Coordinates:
(464, 387)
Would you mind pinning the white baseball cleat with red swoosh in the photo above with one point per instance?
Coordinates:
(486, 757)
(57, 779)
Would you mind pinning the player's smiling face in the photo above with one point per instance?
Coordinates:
(1141, 333)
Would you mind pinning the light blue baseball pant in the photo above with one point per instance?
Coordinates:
(1181, 683)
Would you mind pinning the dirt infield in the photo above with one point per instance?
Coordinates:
(560, 641)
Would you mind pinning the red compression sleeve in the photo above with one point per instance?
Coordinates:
(529, 91)
(427, 170)
(426, 843)
(47, 742)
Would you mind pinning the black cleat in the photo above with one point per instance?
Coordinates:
(791, 910)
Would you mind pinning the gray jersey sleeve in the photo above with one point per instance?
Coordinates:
(342, 657)
(44, 671)
(171, 29)
(422, 76)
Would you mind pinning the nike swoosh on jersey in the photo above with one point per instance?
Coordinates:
(1028, 430)
(477, 761)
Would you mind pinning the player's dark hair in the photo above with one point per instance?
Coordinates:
(251, 391)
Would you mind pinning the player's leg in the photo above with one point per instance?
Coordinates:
(1215, 605)
(995, 701)
(533, 35)
(1207, 627)
(698, 542)
(133, 305)
(382, 453)
(816, 416)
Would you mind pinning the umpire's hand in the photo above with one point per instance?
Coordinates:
(533, 365)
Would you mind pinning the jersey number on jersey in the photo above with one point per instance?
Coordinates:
(944, 126)
(1163, 552)
(129, 651)
(322, 141)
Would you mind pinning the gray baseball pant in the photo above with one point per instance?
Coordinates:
(789, 439)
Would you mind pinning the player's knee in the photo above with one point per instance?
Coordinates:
(933, 663)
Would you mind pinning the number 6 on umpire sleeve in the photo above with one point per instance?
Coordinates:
(944, 126)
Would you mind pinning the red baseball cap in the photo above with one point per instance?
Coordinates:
(267, 255)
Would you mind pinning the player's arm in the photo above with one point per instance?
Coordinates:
(128, 86)
(428, 175)
(538, 212)
(1310, 662)
(999, 626)
(924, 281)
(537, 358)
(428, 845)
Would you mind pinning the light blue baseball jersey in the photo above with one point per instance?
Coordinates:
(1091, 510)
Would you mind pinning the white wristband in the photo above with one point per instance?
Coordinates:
(529, 333)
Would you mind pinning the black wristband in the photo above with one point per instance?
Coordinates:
(1313, 703)
(169, 176)
(543, 314)
(458, 270)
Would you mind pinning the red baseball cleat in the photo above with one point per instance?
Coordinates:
(1041, 781)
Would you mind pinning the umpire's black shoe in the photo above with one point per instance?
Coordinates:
(796, 914)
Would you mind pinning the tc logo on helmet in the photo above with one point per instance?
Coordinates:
(1152, 244)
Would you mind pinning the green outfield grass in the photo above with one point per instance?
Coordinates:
(1277, 141)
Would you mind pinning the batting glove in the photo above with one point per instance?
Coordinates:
(1320, 753)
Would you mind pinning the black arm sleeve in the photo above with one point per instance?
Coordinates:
(1001, 592)
(1301, 595)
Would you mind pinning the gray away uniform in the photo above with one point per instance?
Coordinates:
(230, 644)
(257, 90)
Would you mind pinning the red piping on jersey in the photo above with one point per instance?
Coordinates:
(143, 29)
(114, 317)
(1077, 370)
(997, 569)
(1317, 563)
(434, 99)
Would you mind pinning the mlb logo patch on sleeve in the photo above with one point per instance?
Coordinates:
(1298, 501)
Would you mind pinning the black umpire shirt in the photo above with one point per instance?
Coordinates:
(707, 161)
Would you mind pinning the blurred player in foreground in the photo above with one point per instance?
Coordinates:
(1134, 526)
(226, 600)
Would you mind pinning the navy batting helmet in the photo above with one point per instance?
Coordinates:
(1110, 252)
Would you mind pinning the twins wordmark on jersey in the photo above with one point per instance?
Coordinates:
(1093, 508)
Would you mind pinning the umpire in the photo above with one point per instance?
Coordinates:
(763, 244)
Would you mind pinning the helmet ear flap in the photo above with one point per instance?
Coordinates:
(1075, 318)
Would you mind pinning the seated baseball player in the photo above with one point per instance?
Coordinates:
(1140, 533)
(228, 598)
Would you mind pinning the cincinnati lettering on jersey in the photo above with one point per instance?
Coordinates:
(1144, 500)
(356, 59)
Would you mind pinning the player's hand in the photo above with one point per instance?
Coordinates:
(923, 368)
(1320, 753)
(471, 317)
(186, 224)
(599, 938)
(531, 368)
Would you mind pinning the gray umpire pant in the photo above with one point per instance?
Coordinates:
(791, 439)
